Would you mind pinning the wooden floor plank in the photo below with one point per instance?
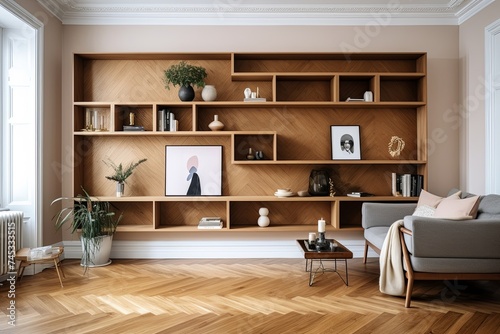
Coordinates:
(241, 296)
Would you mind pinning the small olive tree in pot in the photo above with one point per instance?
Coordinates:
(185, 75)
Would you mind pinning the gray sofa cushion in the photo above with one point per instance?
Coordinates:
(489, 207)
(376, 235)
(442, 238)
(454, 265)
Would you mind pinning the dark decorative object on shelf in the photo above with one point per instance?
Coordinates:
(186, 93)
(319, 183)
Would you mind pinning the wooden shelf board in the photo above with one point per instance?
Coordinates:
(401, 75)
(242, 104)
(252, 198)
(330, 162)
(377, 199)
(328, 56)
(312, 104)
(193, 228)
(249, 76)
(156, 56)
(156, 133)
(135, 228)
(280, 228)
(237, 228)
(94, 104)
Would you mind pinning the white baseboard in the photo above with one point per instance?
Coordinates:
(253, 249)
(206, 249)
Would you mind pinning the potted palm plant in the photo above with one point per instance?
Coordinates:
(185, 75)
(96, 222)
(121, 174)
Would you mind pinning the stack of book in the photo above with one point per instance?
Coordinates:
(166, 120)
(407, 185)
(210, 223)
(133, 128)
(359, 194)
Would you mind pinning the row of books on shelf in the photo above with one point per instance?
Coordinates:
(210, 223)
(407, 185)
(167, 121)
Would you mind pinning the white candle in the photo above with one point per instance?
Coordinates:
(312, 237)
(321, 225)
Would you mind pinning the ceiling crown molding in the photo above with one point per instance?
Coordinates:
(276, 12)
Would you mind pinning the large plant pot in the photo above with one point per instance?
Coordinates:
(100, 256)
(186, 93)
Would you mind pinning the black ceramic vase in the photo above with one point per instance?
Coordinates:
(318, 183)
(186, 93)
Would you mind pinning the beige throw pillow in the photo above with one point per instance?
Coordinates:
(453, 208)
(426, 198)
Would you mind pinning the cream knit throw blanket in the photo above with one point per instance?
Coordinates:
(392, 279)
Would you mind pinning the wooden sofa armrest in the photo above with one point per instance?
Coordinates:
(405, 230)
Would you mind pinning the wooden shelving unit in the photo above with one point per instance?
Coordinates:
(306, 93)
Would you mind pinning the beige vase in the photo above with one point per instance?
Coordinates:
(216, 125)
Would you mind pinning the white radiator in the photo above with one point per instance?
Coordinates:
(11, 223)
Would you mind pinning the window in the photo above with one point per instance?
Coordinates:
(20, 78)
(492, 104)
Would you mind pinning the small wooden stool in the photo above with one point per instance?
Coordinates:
(22, 255)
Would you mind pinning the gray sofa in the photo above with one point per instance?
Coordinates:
(439, 249)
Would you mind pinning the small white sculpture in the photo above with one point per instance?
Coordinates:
(247, 92)
(263, 220)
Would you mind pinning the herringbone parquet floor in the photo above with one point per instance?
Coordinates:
(240, 296)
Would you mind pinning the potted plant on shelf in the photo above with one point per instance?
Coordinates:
(121, 174)
(96, 222)
(185, 75)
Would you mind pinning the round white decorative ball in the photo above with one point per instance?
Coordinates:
(263, 211)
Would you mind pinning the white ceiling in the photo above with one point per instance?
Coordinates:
(264, 12)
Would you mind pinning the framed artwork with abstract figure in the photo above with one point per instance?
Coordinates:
(345, 142)
(193, 170)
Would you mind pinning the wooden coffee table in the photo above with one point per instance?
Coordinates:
(338, 253)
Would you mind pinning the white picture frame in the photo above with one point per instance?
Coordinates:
(193, 170)
(345, 142)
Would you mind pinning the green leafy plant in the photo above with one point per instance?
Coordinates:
(89, 216)
(184, 74)
(122, 174)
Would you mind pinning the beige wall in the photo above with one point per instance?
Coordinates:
(440, 42)
(51, 128)
(472, 106)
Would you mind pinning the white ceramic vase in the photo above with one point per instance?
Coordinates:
(120, 189)
(209, 93)
(263, 220)
(216, 125)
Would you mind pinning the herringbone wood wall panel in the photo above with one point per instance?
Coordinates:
(305, 95)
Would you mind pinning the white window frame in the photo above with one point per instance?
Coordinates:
(492, 107)
(34, 236)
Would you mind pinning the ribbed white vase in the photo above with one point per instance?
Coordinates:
(209, 93)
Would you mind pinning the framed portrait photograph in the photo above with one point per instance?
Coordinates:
(193, 170)
(345, 142)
